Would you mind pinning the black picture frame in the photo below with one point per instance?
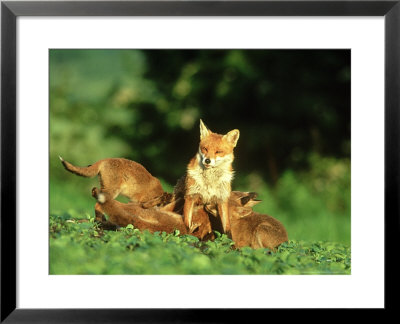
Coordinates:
(10, 10)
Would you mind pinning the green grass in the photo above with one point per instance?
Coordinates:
(81, 247)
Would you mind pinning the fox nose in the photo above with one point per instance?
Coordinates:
(207, 161)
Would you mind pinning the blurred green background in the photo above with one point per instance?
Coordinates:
(292, 108)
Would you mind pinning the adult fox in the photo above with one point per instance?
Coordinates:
(121, 176)
(209, 175)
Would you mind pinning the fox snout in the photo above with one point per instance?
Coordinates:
(210, 162)
(207, 162)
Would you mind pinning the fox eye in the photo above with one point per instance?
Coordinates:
(204, 149)
(219, 152)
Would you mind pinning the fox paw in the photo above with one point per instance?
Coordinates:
(193, 227)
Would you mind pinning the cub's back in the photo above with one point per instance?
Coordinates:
(133, 178)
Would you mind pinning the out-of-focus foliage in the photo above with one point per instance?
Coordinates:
(146, 105)
(292, 108)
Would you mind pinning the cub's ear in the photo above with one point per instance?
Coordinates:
(232, 137)
(251, 203)
(249, 200)
(204, 131)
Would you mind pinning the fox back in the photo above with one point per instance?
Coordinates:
(121, 176)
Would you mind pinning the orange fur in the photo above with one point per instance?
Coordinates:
(248, 228)
(162, 219)
(121, 176)
(209, 175)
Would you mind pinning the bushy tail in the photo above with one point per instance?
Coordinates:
(89, 171)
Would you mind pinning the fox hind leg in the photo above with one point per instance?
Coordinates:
(109, 185)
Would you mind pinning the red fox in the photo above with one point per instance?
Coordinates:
(209, 175)
(121, 176)
(151, 219)
(250, 228)
(121, 214)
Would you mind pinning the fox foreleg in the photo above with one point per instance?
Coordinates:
(224, 214)
(190, 201)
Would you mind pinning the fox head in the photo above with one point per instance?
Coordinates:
(216, 149)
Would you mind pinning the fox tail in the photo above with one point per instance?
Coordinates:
(89, 171)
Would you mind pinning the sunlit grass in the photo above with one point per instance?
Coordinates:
(83, 248)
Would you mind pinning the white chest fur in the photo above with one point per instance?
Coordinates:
(214, 184)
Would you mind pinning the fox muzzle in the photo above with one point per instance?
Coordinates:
(208, 162)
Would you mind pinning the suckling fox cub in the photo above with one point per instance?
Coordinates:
(121, 176)
(249, 228)
(120, 214)
(160, 219)
(209, 175)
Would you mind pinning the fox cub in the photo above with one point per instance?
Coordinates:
(121, 214)
(249, 228)
(121, 176)
(209, 175)
(151, 219)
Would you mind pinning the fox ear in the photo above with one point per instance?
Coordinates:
(252, 203)
(204, 131)
(232, 137)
